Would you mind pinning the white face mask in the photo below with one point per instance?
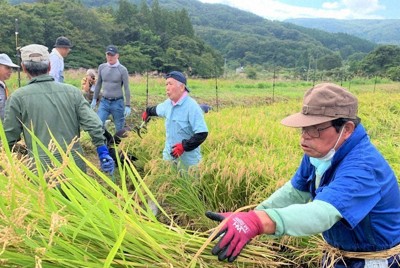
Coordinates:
(323, 163)
(332, 151)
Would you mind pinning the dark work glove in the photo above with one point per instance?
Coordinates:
(236, 232)
(106, 162)
(177, 150)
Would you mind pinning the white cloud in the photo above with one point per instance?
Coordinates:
(271, 9)
(362, 6)
(275, 10)
(330, 5)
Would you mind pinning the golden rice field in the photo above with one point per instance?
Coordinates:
(246, 156)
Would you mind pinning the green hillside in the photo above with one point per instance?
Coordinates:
(243, 38)
(377, 31)
(246, 38)
(150, 38)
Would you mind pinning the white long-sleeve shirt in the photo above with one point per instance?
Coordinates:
(57, 66)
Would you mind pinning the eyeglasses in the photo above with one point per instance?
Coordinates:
(313, 132)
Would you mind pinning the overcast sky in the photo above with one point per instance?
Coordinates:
(339, 9)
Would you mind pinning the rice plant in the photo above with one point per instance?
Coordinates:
(62, 217)
(248, 155)
(59, 216)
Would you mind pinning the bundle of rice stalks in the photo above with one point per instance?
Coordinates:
(61, 217)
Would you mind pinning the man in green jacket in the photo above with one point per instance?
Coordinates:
(49, 108)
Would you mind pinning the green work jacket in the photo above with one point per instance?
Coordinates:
(51, 108)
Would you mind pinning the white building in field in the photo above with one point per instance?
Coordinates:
(240, 70)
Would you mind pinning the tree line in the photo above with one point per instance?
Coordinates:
(149, 38)
(195, 39)
(253, 42)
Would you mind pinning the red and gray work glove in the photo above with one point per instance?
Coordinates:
(145, 116)
(177, 150)
(236, 232)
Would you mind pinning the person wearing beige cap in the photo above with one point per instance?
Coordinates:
(343, 188)
(6, 66)
(52, 109)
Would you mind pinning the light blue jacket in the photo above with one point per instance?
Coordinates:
(183, 120)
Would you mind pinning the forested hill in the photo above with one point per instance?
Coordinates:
(251, 39)
(150, 38)
(244, 38)
(161, 40)
(378, 31)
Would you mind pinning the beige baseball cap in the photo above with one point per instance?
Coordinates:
(322, 103)
(34, 52)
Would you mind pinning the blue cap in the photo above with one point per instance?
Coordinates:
(178, 76)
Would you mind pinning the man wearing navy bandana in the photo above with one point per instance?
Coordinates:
(185, 126)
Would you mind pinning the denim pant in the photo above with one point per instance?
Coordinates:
(115, 108)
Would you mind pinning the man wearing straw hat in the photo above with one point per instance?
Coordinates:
(344, 189)
(52, 111)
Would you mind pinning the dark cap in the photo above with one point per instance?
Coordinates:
(62, 41)
(111, 49)
(177, 76)
(323, 103)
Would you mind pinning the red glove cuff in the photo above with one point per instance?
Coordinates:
(145, 116)
(177, 150)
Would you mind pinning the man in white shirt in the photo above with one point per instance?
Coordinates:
(61, 49)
